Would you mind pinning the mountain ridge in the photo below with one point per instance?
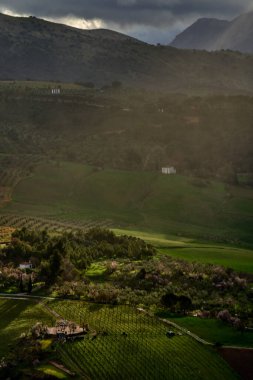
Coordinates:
(214, 34)
(36, 49)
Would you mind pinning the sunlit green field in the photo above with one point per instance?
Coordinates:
(240, 260)
(50, 370)
(213, 330)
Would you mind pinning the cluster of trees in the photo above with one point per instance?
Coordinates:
(177, 286)
(64, 257)
(181, 286)
(225, 316)
(25, 286)
(174, 302)
(28, 350)
(133, 273)
(99, 243)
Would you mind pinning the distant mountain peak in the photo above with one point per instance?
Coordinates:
(214, 34)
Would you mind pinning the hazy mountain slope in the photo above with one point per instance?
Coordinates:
(201, 35)
(40, 50)
(208, 136)
(212, 34)
(238, 35)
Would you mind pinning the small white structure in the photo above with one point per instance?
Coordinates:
(170, 170)
(25, 266)
(56, 91)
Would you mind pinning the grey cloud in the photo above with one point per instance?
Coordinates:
(127, 14)
(128, 11)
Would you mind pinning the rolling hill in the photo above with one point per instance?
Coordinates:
(212, 34)
(147, 201)
(115, 143)
(39, 50)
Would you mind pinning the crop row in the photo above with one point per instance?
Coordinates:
(33, 223)
(130, 345)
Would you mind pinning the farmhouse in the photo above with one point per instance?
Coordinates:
(25, 266)
(66, 329)
(169, 170)
(56, 91)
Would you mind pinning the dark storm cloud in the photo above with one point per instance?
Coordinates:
(129, 15)
(151, 12)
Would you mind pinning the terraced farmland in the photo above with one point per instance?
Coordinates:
(125, 344)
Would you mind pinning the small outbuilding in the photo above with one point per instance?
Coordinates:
(169, 170)
(56, 91)
(25, 266)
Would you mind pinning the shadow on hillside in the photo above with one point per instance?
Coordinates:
(10, 310)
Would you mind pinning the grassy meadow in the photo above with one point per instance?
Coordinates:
(192, 250)
(238, 259)
(213, 330)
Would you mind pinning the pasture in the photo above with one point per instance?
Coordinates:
(125, 344)
(241, 260)
(192, 250)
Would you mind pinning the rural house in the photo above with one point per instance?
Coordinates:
(25, 266)
(56, 91)
(169, 170)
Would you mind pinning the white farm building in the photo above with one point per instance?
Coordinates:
(169, 170)
(56, 91)
(25, 266)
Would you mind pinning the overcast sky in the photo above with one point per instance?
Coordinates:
(149, 20)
